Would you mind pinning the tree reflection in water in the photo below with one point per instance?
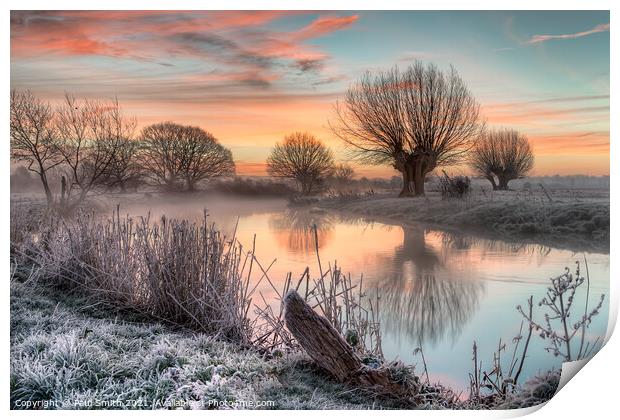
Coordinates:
(416, 251)
(458, 241)
(427, 308)
(420, 297)
(429, 285)
(294, 230)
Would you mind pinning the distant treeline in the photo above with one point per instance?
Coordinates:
(417, 121)
(23, 180)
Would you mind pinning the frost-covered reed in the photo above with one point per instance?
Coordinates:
(176, 271)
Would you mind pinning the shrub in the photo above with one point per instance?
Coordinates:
(454, 187)
(253, 187)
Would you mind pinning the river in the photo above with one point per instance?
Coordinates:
(439, 290)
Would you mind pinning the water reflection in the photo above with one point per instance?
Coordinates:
(422, 299)
(293, 229)
(428, 309)
(443, 289)
(415, 250)
(459, 241)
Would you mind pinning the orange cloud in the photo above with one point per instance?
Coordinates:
(247, 81)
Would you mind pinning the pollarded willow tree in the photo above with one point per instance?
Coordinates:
(303, 158)
(415, 120)
(501, 156)
(175, 155)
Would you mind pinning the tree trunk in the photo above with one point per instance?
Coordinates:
(503, 183)
(407, 173)
(171, 184)
(329, 350)
(418, 182)
(123, 187)
(422, 163)
(306, 186)
(414, 169)
(491, 179)
(63, 193)
(48, 192)
(190, 186)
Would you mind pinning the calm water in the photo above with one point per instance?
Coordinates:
(439, 290)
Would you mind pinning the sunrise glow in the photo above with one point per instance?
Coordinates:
(250, 77)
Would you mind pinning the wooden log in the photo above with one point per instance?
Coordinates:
(329, 350)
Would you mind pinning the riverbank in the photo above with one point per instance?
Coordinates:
(78, 341)
(562, 222)
(68, 353)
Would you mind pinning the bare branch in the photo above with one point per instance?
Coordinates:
(415, 120)
(301, 157)
(501, 156)
(173, 155)
(33, 136)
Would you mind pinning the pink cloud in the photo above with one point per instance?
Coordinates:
(69, 32)
(234, 41)
(546, 112)
(585, 142)
(324, 26)
(537, 39)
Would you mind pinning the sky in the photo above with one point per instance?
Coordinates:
(251, 77)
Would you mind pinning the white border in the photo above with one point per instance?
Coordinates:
(592, 394)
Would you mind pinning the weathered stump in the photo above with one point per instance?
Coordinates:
(329, 350)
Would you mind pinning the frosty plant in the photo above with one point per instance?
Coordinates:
(558, 326)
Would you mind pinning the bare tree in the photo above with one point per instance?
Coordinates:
(501, 156)
(202, 157)
(414, 120)
(342, 177)
(301, 157)
(484, 159)
(90, 135)
(173, 155)
(344, 173)
(125, 169)
(159, 154)
(33, 136)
